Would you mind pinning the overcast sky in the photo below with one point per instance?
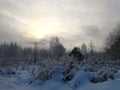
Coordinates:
(74, 21)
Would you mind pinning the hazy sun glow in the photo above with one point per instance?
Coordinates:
(39, 31)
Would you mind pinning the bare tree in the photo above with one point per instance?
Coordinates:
(84, 47)
(91, 47)
(35, 51)
(56, 48)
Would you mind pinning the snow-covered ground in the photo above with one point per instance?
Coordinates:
(81, 80)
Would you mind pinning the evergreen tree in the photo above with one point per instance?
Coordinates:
(112, 44)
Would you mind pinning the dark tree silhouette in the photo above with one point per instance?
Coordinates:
(56, 48)
(112, 44)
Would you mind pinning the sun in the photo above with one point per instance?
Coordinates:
(41, 32)
(38, 33)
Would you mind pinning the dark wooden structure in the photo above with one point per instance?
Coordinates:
(76, 53)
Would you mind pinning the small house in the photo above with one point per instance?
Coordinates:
(77, 53)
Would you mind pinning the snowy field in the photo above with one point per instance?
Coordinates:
(86, 76)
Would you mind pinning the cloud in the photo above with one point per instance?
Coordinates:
(93, 32)
(75, 21)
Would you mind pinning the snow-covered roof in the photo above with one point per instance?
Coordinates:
(80, 51)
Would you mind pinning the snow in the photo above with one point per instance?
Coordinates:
(81, 80)
(80, 51)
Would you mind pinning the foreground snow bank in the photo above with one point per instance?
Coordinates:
(109, 85)
(81, 81)
(12, 78)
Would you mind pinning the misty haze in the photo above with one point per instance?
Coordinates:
(59, 44)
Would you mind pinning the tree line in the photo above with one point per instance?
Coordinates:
(56, 48)
(13, 50)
